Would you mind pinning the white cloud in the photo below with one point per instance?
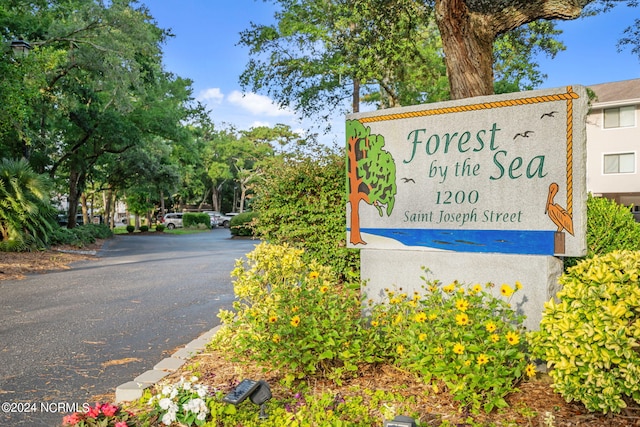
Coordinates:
(259, 123)
(257, 104)
(212, 94)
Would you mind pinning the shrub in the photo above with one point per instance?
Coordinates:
(196, 220)
(459, 336)
(243, 224)
(131, 228)
(302, 203)
(610, 227)
(589, 336)
(288, 315)
(26, 216)
(81, 235)
(160, 228)
(144, 228)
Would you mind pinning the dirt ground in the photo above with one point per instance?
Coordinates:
(16, 265)
(528, 407)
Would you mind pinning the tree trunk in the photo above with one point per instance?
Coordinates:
(468, 52)
(468, 29)
(76, 184)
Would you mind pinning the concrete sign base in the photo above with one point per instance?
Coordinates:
(395, 269)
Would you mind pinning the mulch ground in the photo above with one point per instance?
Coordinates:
(528, 407)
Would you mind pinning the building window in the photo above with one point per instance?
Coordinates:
(620, 163)
(619, 117)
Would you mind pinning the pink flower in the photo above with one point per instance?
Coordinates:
(93, 412)
(71, 419)
(121, 424)
(109, 410)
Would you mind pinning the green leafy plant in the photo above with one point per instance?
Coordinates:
(610, 227)
(101, 415)
(160, 228)
(287, 312)
(185, 402)
(130, 228)
(302, 203)
(243, 224)
(589, 335)
(458, 336)
(196, 220)
(81, 235)
(144, 228)
(26, 215)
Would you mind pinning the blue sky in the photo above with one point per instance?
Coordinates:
(205, 50)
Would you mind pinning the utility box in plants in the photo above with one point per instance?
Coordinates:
(470, 184)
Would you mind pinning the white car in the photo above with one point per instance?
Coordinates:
(223, 220)
(172, 220)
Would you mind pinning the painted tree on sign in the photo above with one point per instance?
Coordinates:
(371, 174)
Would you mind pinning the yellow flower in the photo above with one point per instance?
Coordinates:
(458, 348)
(518, 285)
(449, 288)
(324, 289)
(512, 338)
(530, 370)
(400, 349)
(413, 303)
(420, 317)
(482, 359)
(494, 337)
(374, 323)
(397, 319)
(273, 319)
(462, 319)
(422, 337)
(490, 327)
(477, 288)
(314, 275)
(295, 321)
(432, 317)
(506, 290)
(439, 350)
(462, 304)
(467, 363)
(276, 338)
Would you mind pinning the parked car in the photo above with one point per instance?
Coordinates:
(172, 220)
(215, 219)
(224, 219)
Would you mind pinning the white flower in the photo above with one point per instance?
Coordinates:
(168, 418)
(165, 403)
(194, 379)
(201, 390)
(201, 416)
(186, 386)
(166, 390)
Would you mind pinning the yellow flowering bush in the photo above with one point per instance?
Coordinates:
(290, 315)
(456, 335)
(589, 335)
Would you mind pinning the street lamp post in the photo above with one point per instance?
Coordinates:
(20, 48)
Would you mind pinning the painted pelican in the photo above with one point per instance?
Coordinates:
(557, 213)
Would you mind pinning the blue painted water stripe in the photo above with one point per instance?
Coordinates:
(525, 242)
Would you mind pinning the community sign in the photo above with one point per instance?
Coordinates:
(498, 174)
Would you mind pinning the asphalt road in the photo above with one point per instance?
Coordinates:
(69, 336)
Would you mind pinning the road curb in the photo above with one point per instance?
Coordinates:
(133, 390)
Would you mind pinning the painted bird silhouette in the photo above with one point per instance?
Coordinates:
(549, 114)
(523, 134)
(557, 213)
(408, 180)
